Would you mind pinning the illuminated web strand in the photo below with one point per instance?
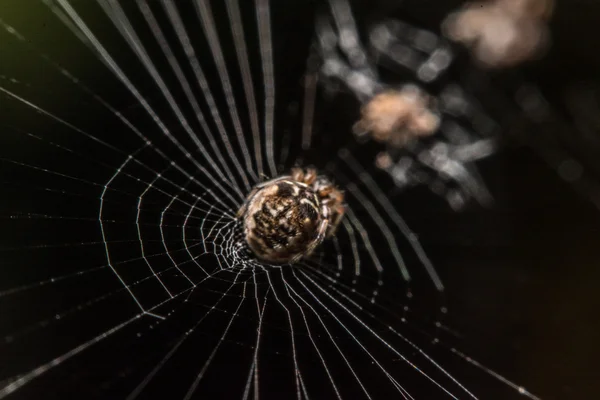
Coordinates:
(520, 389)
(129, 157)
(184, 238)
(64, 19)
(354, 338)
(364, 177)
(184, 83)
(139, 236)
(161, 233)
(155, 370)
(109, 62)
(206, 91)
(187, 217)
(303, 387)
(369, 329)
(227, 242)
(44, 323)
(159, 176)
(310, 335)
(200, 375)
(59, 217)
(365, 237)
(221, 234)
(202, 233)
(208, 25)
(60, 278)
(263, 18)
(121, 22)
(100, 220)
(28, 377)
(13, 336)
(49, 281)
(233, 246)
(210, 233)
(184, 39)
(334, 285)
(100, 100)
(253, 375)
(382, 225)
(317, 270)
(207, 239)
(56, 118)
(237, 30)
(353, 244)
(40, 370)
(355, 304)
(292, 334)
(56, 173)
(47, 217)
(333, 341)
(339, 257)
(246, 393)
(302, 383)
(139, 233)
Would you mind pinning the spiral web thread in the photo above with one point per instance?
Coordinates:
(121, 209)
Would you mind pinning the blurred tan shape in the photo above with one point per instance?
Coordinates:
(501, 33)
(395, 117)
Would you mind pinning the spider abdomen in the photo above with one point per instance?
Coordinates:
(284, 221)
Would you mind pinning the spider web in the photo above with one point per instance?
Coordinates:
(127, 149)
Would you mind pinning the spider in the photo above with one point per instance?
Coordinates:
(286, 218)
(432, 130)
(501, 33)
(397, 116)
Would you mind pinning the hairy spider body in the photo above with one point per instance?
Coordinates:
(286, 218)
(397, 116)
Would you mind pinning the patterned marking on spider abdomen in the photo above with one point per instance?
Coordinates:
(282, 221)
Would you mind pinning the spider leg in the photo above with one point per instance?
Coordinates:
(319, 239)
(363, 83)
(349, 40)
(297, 174)
(416, 49)
(310, 176)
(338, 213)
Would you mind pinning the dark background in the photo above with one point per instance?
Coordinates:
(521, 277)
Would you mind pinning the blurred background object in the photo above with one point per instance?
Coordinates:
(502, 33)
